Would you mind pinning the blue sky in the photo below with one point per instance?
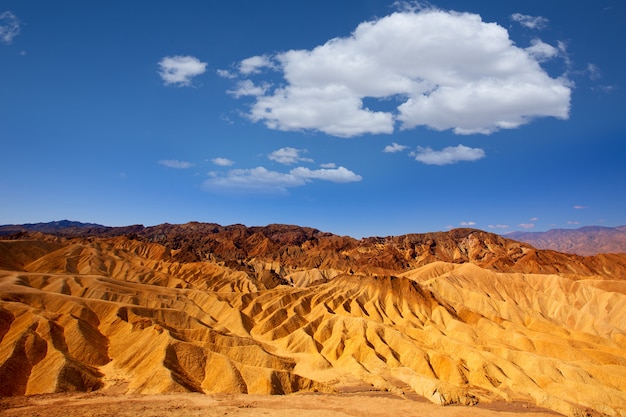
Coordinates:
(362, 118)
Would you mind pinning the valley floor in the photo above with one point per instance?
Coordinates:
(366, 404)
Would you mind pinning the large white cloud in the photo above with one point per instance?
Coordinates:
(179, 70)
(9, 27)
(444, 70)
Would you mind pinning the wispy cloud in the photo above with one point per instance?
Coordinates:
(594, 71)
(180, 70)
(253, 65)
(530, 22)
(9, 27)
(339, 174)
(226, 73)
(498, 226)
(175, 163)
(573, 222)
(542, 51)
(288, 156)
(470, 78)
(261, 180)
(248, 88)
(578, 207)
(448, 155)
(526, 225)
(394, 147)
(466, 224)
(223, 162)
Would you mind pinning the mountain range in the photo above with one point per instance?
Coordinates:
(588, 240)
(457, 317)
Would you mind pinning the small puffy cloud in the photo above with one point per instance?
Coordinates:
(446, 70)
(530, 22)
(256, 180)
(179, 70)
(541, 51)
(254, 64)
(288, 156)
(526, 225)
(340, 174)
(466, 224)
(448, 155)
(534, 219)
(394, 147)
(261, 180)
(175, 163)
(9, 27)
(223, 162)
(498, 226)
(329, 165)
(248, 88)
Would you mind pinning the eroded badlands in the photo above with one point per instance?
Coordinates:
(123, 315)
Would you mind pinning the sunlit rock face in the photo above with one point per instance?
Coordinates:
(458, 317)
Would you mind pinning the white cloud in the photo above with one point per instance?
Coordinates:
(9, 27)
(248, 88)
(340, 174)
(531, 22)
(448, 155)
(394, 147)
(594, 72)
(329, 165)
(288, 156)
(226, 74)
(254, 64)
(541, 51)
(258, 180)
(498, 226)
(179, 70)
(465, 224)
(449, 70)
(534, 219)
(262, 180)
(526, 225)
(581, 207)
(223, 162)
(573, 222)
(175, 163)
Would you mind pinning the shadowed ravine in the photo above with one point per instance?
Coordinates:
(458, 317)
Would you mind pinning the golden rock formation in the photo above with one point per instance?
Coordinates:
(458, 318)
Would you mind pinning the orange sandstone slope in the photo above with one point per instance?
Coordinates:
(457, 317)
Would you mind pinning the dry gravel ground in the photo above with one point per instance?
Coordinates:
(370, 404)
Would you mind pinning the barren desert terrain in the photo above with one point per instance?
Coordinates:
(202, 319)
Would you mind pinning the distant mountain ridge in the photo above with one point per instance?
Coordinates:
(279, 248)
(66, 228)
(588, 240)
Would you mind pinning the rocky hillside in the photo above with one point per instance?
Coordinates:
(456, 317)
(589, 240)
